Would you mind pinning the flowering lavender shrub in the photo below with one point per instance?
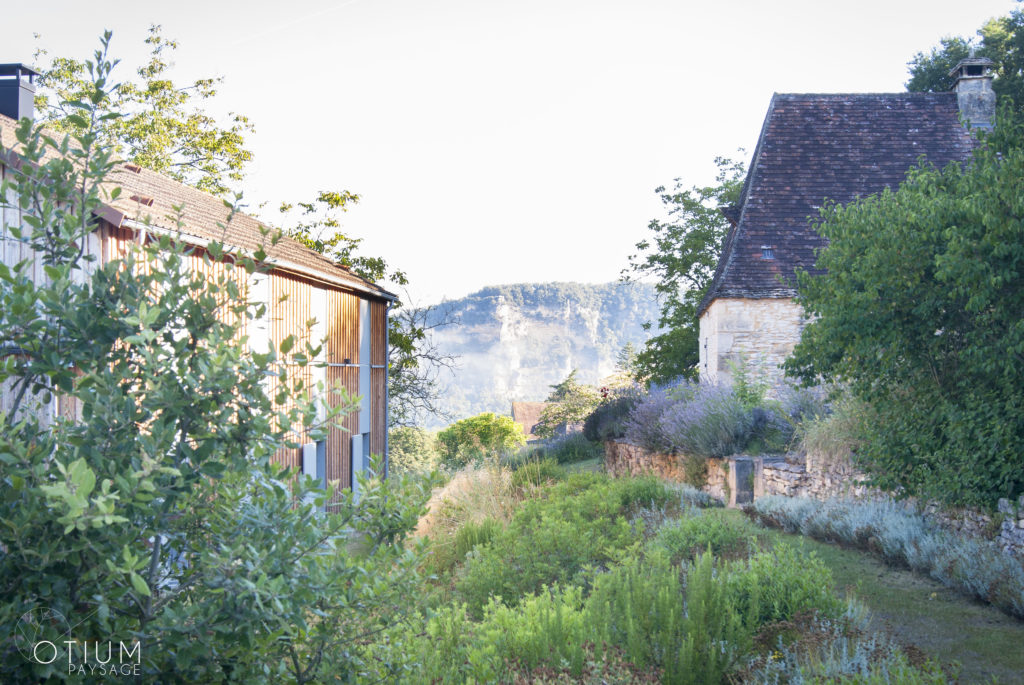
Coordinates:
(643, 426)
(705, 420)
(709, 421)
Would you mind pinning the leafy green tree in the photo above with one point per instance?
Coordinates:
(1001, 40)
(412, 449)
(919, 313)
(681, 256)
(155, 515)
(161, 126)
(478, 438)
(570, 402)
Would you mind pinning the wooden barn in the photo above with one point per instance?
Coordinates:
(351, 313)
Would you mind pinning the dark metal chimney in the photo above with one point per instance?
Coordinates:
(17, 91)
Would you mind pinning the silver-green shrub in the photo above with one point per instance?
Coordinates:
(904, 537)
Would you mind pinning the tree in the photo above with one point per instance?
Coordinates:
(479, 438)
(157, 519)
(570, 402)
(918, 312)
(161, 125)
(1002, 41)
(682, 255)
(412, 449)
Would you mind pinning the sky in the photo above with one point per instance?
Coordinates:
(502, 141)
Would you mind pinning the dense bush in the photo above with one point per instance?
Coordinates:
(551, 539)
(915, 306)
(412, 450)
(536, 472)
(686, 537)
(571, 448)
(903, 537)
(478, 438)
(707, 420)
(608, 420)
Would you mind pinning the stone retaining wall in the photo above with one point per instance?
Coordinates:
(742, 479)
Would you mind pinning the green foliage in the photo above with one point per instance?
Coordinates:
(681, 256)
(536, 472)
(412, 450)
(572, 448)
(1002, 41)
(838, 435)
(778, 584)
(548, 541)
(608, 420)
(480, 437)
(688, 536)
(473, 534)
(156, 516)
(161, 125)
(918, 313)
(570, 402)
(903, 537)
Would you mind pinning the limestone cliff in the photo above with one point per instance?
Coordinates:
(514, 341)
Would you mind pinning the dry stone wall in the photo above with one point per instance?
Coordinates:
(741, 479)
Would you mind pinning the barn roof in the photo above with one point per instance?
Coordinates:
(818, 147)
(149, 196)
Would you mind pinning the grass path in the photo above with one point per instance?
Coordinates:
(922, 612)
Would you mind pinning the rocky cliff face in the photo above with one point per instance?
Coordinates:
(515, 341)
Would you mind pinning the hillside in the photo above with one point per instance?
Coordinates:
(514, 341)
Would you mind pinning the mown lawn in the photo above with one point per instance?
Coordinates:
(921, 612)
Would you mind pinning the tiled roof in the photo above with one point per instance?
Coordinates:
(147, 194)
(527, 414)
(816, 147)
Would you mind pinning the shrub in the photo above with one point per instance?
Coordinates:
(643, 426)
(472, 534)
(536, 472)
(903, 537)
(550, 540)
(705, 420)
(837, 434)
(687, 537)
(777, 584)
(412, 450)
(843, 651)
(480, 437)
(608, 420)
(474, 494)
(572, 448)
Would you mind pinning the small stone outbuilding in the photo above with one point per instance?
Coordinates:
(814, 148)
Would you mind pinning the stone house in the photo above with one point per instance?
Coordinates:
(300, 285)
(815, 148)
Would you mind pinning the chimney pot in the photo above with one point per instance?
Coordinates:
(973, 88)
(17, 91)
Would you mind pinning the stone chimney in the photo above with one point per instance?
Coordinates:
(973, 88)
(17, 91)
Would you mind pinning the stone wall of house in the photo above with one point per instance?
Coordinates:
(758, 333)
(739, 480)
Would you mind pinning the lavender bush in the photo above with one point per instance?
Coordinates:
(905, 538)
(705, 420)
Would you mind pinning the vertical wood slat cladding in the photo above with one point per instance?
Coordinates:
(289, 313)
(343, 329)
(342, 344)
(378, 429)
(379, 334)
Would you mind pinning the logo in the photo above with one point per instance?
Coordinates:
(45, 636)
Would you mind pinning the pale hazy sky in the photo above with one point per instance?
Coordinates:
(503, 141)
